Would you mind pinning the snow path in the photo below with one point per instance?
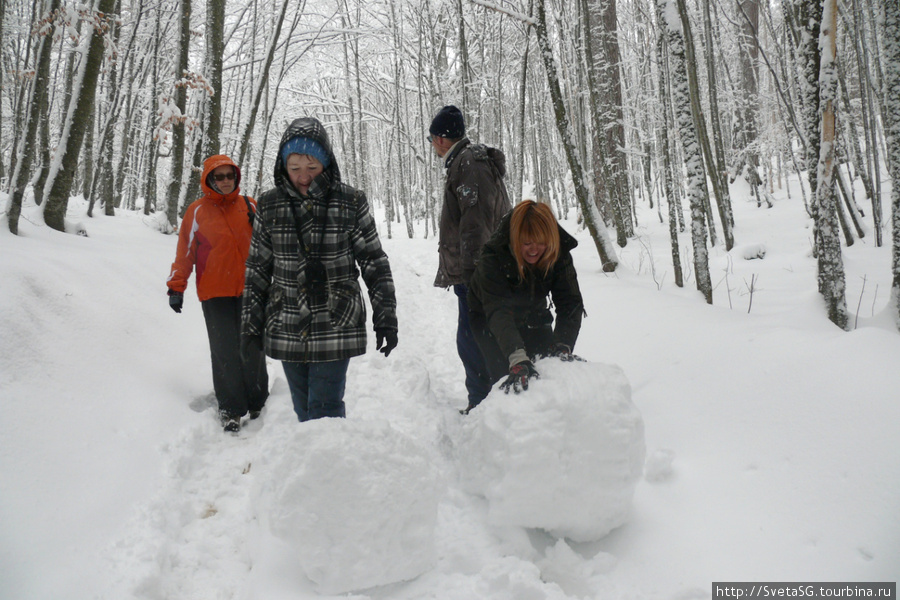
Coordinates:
(198, 536)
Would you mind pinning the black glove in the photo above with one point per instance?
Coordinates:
(176, 300)
(251, 347)
(519, 374)
(386, 338)
(562, 352)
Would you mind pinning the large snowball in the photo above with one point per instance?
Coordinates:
(357, 501)
(563, 456)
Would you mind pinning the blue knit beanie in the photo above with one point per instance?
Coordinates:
(448, 123)
(302, 145)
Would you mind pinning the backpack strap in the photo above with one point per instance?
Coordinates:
(251, 214)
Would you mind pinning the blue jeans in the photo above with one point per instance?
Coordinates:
(478, 381)
(317, 389)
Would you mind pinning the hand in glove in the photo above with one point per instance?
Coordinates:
(562, 352)
(386, 338)
(251, 347)
(519, 374)
(176, 301)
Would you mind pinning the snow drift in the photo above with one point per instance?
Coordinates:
(564, 456)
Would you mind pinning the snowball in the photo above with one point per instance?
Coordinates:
(753, 251)
(659, 465)
(563, 456)
(357, 501)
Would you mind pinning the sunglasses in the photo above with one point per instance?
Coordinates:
(223, 176)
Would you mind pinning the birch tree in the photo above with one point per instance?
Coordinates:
(892, 125)
(663, 132)
(693, 158)
(805, 17)
(828, 243)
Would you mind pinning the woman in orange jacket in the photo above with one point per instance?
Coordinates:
(215, 239)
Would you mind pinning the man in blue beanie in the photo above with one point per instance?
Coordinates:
(475, 199)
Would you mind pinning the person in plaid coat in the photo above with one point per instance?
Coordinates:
(312, 238)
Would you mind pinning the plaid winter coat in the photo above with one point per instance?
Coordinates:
(302, 290)
(475, 199)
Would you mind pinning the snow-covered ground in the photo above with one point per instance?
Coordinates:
(770, 436)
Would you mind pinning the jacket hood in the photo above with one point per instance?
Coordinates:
(500, 239)
(313, 129)
(211, 164)
(479, 152)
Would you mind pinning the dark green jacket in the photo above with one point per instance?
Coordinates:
(510, 305)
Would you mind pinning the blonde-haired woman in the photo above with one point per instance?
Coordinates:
(527, 260)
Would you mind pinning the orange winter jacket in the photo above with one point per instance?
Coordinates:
(214, 236)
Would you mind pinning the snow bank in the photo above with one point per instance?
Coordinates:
(356, 501)
(565, 456)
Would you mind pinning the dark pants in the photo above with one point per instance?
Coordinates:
(478, 379)
(240, 386)
(317, 389)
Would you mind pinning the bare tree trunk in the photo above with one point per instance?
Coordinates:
(2, 14)
(176, 178)
(87, 162)
(606, 183)
(592, 218)
(702, 137)
(150, 188)
(663, 132)
(464, 81)
(693, 157)
(215, 48)
(866, 92)
(806, 36)
(606, 24)
(70, 142)
(43, 145)
(831, 266)
(102, 187)
(24, 155)
(852, 138)
(523, 86)
(892, 132)
(717, 169)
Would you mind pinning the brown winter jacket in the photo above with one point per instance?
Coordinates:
(475, 199)
(215, 238)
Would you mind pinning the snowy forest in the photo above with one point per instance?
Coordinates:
(729, 169)
(598, 104)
